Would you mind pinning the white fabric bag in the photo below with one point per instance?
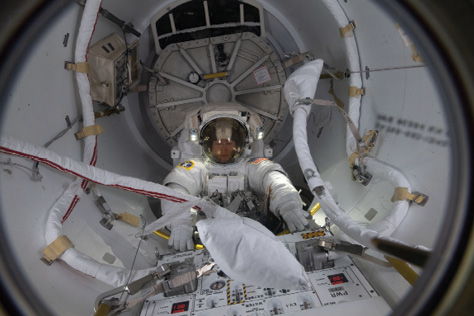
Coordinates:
(249, 253)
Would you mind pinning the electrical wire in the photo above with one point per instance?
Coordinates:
(35, 170)
(9, 162)
(384, 69)
(134, 258)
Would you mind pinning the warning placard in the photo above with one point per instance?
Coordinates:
(262, 75)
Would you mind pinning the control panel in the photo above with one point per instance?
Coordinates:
(218, 295)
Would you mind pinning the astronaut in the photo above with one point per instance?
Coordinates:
(227, 171)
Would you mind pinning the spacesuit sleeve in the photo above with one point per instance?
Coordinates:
(267, 176)
(188, 177)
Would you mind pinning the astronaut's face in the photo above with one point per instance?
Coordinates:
(223, 150)
(223, 140)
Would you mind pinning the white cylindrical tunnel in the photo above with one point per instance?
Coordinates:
(395, 67)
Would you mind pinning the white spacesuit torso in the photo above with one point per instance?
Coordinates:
(257, 182)
(225, 180)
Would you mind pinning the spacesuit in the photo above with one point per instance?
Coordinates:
(224, 175)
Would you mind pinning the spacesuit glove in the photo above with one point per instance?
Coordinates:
(181, 238)
(295, 219)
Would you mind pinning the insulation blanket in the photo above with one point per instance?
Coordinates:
(16, 147)
(251, 254)
(353, 63)
(302, 84)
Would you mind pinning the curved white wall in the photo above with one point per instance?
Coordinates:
(402, 104)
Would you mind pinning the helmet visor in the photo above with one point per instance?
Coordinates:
(223, 140)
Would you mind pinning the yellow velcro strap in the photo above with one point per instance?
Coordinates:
(355, 92)
(129, 218)
(89, 130)
(415, 55)
(346, 31)
(408, 43)
(56, 249)
(103, 310)
(401, 194)
(295, 60)
(353, 157)
(79, 67)
(404, 269)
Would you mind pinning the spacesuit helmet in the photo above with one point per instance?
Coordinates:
(223, 140)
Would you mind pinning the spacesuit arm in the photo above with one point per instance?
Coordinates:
(181, 226)
(168, 207)
(283, 194)
(285, 201)
(186, 178)
(269, 178)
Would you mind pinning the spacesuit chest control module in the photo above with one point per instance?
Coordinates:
(226, 165)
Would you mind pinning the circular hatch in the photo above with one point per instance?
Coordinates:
(240, 68)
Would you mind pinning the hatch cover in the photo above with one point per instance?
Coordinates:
(240, 68)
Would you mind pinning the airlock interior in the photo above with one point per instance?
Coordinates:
(193, 53)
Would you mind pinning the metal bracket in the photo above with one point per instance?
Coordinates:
(340, 245)
(360, 176)
(107, 215)
(371, 138)
(418, 196)
(131, 288)
(204, 270)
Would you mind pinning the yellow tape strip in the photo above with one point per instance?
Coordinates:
(285, 232)
(79, 67)
(347, 31)
(355, 92)
(56, 249)
(399, 194)
(103, 310)
(89, 130)
(216, 75)
(404, 269)
(315, 208)
(130, 219)
(162, 234)
(415, 55)
(167, 237)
